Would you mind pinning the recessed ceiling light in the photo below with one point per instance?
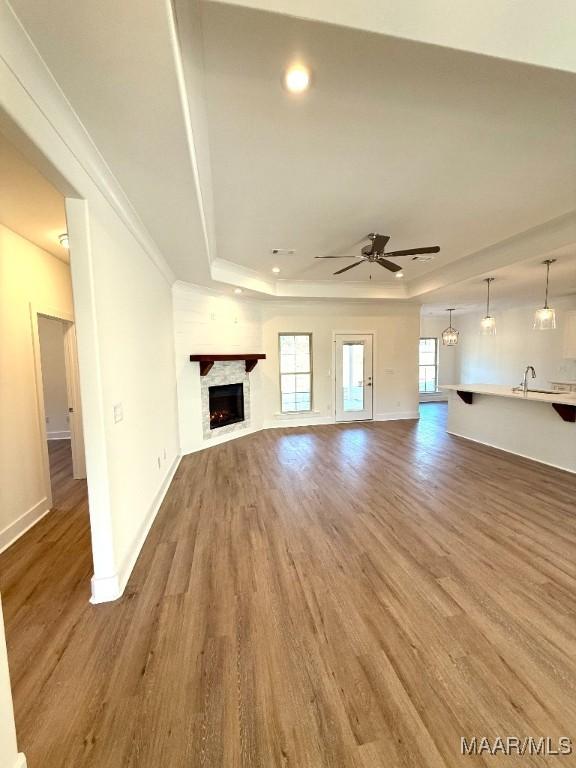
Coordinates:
(297, 78)
(399, 274)
(275, 270)
(237, 290)
(424, 257)
(63, 239)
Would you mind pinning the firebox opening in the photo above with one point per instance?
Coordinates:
(226, 404)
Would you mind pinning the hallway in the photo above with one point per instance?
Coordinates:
(307, 597)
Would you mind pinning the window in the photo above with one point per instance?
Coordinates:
(428, 361)
(295, 372)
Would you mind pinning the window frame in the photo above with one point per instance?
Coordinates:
(436, 364)
(310, 372)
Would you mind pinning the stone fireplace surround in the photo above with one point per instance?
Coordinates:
(224, 372)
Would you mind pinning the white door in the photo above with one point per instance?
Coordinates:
(74, 403)
(353, 373)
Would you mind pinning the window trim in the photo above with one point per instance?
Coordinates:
(311, 372)
(436, 364)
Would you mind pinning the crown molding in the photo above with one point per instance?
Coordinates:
(26, 80)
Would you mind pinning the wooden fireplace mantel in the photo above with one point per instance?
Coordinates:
(207, 361)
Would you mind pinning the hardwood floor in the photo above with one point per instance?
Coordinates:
(356, 596)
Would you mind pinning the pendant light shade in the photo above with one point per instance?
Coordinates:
(545, 318)
(488, 323)
(450, 335)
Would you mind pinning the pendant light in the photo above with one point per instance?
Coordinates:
(488, 323)
(545, 318)
(450, 335)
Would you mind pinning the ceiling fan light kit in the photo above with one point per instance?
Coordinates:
(545, 318)
(374, 253)
(488, 323)
(450, 335)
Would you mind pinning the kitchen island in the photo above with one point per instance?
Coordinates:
(536, 425)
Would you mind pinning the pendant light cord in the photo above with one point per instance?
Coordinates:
(488, 300)
(547, 279)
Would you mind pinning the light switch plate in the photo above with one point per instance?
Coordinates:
(118, 413)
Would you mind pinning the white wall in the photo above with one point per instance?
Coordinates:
(51, 335)
(432, 326)
(9, 756)
(501, 359)
(29, 275)
(396, 334)
(123, 311)
(206, 322)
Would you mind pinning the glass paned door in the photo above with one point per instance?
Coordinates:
(353, 375)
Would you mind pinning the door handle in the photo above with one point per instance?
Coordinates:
(70, 410)
(369, 384)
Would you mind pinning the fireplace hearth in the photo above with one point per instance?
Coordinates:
(226, 403)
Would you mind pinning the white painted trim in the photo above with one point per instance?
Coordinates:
(396, 415)
(513, 453)
(432, 397)
(108, 588)
(23, 523)
(20, 761)
(213, 441)
(28, 71)
(40, 408)
(306, 421)
(63, 434)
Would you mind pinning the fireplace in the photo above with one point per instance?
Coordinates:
(226, 404)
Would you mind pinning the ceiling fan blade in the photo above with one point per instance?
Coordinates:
(337, 257)
(379, 243)
(356, 264)
(389, 265)
(414, 251)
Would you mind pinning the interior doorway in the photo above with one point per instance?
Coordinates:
(353, 376)
(59, 400)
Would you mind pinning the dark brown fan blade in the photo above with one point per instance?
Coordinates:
(379, 243)
(337, 257)
(356, 264)
(414, 251)
(389, 265)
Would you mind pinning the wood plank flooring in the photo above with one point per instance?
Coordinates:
(353, 596)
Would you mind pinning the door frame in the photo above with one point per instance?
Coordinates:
(72, 388)
(347, 332)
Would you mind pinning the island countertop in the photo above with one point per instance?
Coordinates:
(505, 390)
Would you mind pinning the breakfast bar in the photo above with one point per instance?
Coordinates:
(538, 425)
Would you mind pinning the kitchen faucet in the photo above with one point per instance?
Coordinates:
(524, 383)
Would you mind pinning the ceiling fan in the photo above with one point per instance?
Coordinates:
(373, 253)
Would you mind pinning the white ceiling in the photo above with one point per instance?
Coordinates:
(426, 144)
(116, 64)
(29, 204)
(520, 283)
(422, 142)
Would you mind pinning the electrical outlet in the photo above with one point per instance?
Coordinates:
(118, 413)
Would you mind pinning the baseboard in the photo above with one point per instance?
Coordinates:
(512, 453)
(64, 434)
(20, 760)
(109, 588)
(218, 440)
(283, 421)
(396, 415)
(19, 527)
